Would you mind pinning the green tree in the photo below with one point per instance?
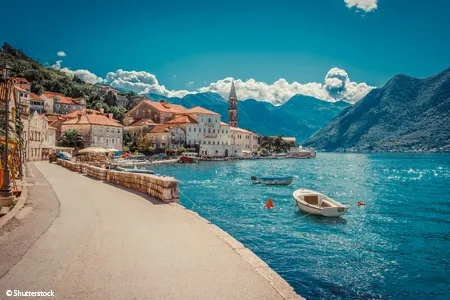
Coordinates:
(77, 79)
(277, 143)
(126, 138)
(111, 99)
(145, 143)
(71, 138)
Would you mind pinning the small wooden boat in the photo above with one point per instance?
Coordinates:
(189, 157)
(272, 180)
(316, 203)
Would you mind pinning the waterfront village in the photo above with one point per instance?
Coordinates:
(50, 119)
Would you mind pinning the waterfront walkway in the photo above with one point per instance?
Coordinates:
(104, 242)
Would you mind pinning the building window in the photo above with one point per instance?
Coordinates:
(195, 129)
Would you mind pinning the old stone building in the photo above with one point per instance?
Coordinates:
(167, 136)
(56, 103)
(158, 112)
(98, 129)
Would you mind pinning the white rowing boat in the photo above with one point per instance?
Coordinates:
(316, 203)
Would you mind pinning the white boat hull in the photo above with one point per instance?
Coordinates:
(334, 209)
(326, 212)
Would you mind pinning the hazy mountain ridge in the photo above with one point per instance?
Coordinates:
(406, 114)
(301, 116)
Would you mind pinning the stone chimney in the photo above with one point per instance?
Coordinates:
(110, 115)
(102, 111)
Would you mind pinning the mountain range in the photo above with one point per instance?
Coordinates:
(406, 114)
(300, 116)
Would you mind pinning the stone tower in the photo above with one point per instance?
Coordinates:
(232, 107)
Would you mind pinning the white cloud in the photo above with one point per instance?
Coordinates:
(366, 5)
(61, 53)
(84, 75)
(140, 82)
(336, 86)
(56, 65)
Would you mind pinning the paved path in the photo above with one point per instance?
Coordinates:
(108, 243)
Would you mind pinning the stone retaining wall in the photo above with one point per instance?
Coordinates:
(162, 188)
(76, 167)
(156, 186)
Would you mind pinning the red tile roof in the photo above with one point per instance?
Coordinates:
(35, 97)
(20, 89)
(61, 98)
(182, 120)
(201, 110)
(162, 128)
(141, 122)
(224, 124)
(83, 118)
(241, 130)
(165, 106)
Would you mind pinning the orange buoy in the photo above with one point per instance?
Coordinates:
(269, 203)
(360, 203)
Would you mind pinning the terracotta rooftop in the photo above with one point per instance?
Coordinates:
(166, 106)
(35, 97)
(201, 110)
(141, 122)
(224, 124)
(182, 120)
(75, 114)
(240, 130)
(61, 98)
(20, 89)
(160, 128)
(84, 118)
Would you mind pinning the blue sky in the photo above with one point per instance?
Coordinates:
(189, 44)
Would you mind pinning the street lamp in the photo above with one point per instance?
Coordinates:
(6, 84)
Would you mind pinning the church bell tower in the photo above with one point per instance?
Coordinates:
(232, 107)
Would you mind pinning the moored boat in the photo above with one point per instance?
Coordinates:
(316, 203)
(272, 180)
(135, 170)
(189, 157)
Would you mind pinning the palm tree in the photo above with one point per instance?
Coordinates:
(278, 143)
(71, 138)
(266, 142)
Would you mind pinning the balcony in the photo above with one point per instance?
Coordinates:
(210, 135)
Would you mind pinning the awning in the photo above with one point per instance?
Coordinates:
(93, 150)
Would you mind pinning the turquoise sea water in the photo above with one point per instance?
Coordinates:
(395, 247)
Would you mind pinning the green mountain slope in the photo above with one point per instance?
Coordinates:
(407, 114)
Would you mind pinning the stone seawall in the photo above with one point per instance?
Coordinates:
(161, 188)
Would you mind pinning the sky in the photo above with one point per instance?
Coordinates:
(329, 49)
